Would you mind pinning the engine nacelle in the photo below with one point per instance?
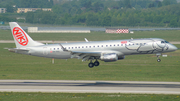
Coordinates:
(109, 57)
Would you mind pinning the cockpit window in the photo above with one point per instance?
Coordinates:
(164, 42)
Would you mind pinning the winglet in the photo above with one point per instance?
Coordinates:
(86, 40)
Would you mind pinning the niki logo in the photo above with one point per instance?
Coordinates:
(20, 36)
(123, 42)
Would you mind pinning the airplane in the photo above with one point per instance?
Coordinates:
(107, 51)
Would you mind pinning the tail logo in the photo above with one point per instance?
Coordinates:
(20, 36)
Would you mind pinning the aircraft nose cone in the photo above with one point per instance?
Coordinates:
(176, 48)
(173, 48)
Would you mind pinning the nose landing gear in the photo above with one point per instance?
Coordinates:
(158, 60)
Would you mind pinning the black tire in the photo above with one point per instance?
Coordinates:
(96, 63)
(158, 60)
(91, 65)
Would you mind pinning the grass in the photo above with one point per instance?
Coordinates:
(4, 96)
(169, 35)
(133, 68)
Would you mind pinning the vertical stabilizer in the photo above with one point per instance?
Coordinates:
(21, 38)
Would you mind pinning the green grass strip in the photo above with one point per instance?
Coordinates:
(12, 96)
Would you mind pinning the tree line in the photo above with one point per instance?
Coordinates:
(69, 6)
(7, 19)
(167, 16)
(100, 12)
(8, 4)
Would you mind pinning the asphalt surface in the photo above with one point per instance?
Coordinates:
(73, 86)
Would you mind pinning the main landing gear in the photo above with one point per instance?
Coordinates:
(91, 64)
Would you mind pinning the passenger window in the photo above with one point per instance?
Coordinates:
(82, 46)
(106, 45)
(102, 46)
(162, 42)
(89, 46)
(118, 45)
(94, 46)
(114, 45)
(86, 46)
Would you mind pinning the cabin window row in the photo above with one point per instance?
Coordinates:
(100, 46)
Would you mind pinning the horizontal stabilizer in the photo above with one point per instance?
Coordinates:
(16, 49)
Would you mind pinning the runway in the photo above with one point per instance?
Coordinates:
(74, 86)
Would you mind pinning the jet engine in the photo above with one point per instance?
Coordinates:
(109, 57)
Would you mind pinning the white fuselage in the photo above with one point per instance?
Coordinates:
(107, 51)
(120, 47)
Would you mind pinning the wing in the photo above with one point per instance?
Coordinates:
(84, 55)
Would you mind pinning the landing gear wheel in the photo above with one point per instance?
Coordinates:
(158, 60)
(158, 55)
(91, 65)
(96, 63)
